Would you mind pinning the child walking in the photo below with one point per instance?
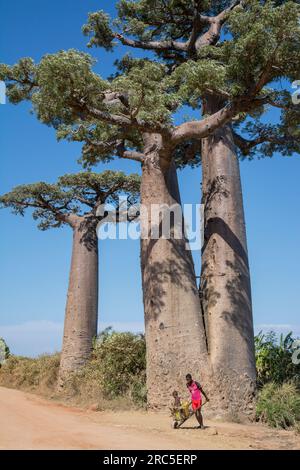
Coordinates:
(196, 392)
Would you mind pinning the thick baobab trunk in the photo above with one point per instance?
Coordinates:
(173, 322)
(225, 277)
(81, 314)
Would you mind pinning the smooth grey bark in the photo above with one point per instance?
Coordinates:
(81, 315)
(225, 277)
(173, 322)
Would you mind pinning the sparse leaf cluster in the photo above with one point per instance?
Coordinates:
(78, 194)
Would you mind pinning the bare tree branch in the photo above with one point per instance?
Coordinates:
(212, 36)
(132, 155)
(70, 219)
(245, 145)
(203, 128)
(118, 146)
(85, 201)
(152, 45)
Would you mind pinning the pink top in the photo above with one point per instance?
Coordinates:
(195, 392)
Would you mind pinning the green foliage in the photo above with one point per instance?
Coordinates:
(116, 371)
(72, 194)
(279, 405)
(155, 19)
(64, 81)
(264, 40)
(261, 40)
(258, 46)
(58, 85)
(282, 137)
(98, 28)
(149, 100)
(106, 186)
(278, 402)
(21, 73)
(274, 359)
(120, 362)
(193, 78)
(44, 198)
(100, 141)
(65, 89)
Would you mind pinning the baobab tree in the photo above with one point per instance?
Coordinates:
(222, 56)
(75, 201)
(131, 117)
(117, 121)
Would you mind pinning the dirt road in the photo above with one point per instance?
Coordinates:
(30, 422)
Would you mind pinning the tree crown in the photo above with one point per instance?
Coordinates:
(73, 196)
(236, 51)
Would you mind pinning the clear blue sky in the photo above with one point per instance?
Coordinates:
(34, 264)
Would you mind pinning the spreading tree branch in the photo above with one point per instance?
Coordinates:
(87, 111)
(116, 145)
(210, 37)
(203, 128)
(70, 219)
(158, 46)
(245, 145)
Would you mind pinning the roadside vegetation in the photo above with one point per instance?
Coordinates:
(115, 376)
(116, 370)
(278, 380)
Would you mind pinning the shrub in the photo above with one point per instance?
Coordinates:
(279, 405)
(122, 359)
(274, 359)
(117, 368)
(38, 374)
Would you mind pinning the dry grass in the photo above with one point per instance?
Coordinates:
(84, 389)
(114, 377)
(35, 375)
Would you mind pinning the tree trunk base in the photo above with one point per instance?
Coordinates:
(232, 397)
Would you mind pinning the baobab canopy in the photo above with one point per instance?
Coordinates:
(238, 50)
(74, 194)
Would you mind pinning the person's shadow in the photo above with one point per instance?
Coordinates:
(193, 427)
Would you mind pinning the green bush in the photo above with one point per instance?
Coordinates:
(278, 380)
(274, 359)
(117, 369)
(279, 405)
(138, 389)
(122, 359)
